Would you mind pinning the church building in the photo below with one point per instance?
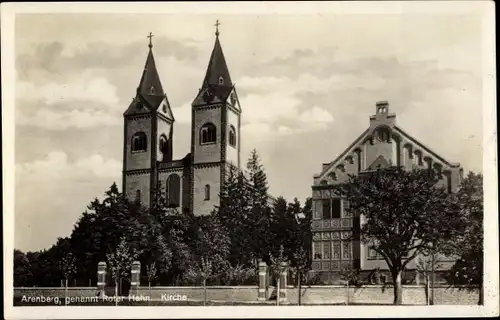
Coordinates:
(381, 145)
(192, 183)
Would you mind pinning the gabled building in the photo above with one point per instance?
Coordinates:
(381, 145)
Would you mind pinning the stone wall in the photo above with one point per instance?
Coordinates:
(412, 295)
(221, 293)
(55, 292)
(376, 294)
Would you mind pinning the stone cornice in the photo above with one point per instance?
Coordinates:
(137, 172)
(206, 165)
(208, 107)
(138, 116)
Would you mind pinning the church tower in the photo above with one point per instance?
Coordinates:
(215, 132)
(148, 135)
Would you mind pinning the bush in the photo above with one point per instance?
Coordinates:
(239, 275)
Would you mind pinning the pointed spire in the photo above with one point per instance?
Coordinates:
(150, 83)
(217, 71)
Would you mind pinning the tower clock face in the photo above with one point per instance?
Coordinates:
(208, 95)
(233, 98)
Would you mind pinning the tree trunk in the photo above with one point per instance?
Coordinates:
(278, 292)
(300, 287)
(116, 292)
(396, 282)
(427, 293)
(347, 286)
(481, 295)
(149, 288)
(204, 292)
(432, 278)
(65, 291)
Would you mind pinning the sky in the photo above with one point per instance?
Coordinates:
(307, 85)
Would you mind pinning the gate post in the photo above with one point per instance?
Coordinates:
(262, 295)
(101, 278)
(283, 281)
(135, 277)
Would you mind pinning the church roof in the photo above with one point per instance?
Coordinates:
(149, 94)
(150, 78)
(217, 85)
(357, 144)
(217, 68)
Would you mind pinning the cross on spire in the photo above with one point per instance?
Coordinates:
(150, 40)
(217, 24)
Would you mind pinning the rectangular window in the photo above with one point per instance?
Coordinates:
(346, 208)
(372, 254)
(327, 209)
(326, 250)
(316, 206)
(336, 250)
(336, 208)
(346, 250)
(317, 254)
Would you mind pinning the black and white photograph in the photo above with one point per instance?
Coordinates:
(249, 159)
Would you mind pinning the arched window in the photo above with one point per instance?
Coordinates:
(163, 145)
(207, 192)
(232, 136)
(208, 133)
(138, 196)
(173, 190)
(221, 80)
(383, 135)
(418, 157)
(139, 142)
(152, 90)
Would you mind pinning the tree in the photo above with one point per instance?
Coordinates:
(277, 265)
(301, 265)
(259, 222)
(403, 213)
(468, 246)
(426, 265)
(22, 269)
(233, 213)
(120, 262)
(68, 268)
(152, 277)
(205, 272)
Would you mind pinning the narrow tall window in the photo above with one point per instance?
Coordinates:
(317, 254)
(336, 208)
(221, 80)
(346, 208)
(173, 190)
(208, 133)
(232, 136)
(163, 145)
(139, 142)
(138, 196)
(207, 192)
(327, 209)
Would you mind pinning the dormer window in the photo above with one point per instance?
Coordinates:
(152, 90)
(221, 80)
